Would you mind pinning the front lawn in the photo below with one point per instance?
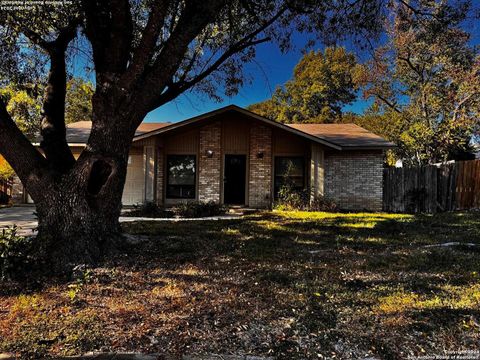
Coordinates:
(290, 285)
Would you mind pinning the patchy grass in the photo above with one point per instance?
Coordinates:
(294, 285)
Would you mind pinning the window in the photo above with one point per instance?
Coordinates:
(181, 176)
(289, 170)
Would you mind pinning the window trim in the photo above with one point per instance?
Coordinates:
(167, 185)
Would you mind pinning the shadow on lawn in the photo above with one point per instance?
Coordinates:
(371, 242)
(268, 242)
(217, 276)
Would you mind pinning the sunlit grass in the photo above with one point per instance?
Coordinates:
(352, 220)
(448, 297)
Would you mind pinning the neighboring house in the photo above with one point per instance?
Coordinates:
(233, 156)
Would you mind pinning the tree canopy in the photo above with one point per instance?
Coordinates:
(323, 82)
(426, 85)
(24, 103)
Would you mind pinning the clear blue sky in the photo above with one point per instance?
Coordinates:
(270, 69)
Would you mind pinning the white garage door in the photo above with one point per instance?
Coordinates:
(134, 191)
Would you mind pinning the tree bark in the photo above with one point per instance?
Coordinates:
(78, 212)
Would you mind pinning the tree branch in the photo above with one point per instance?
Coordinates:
(54, 143)
(416, 10)
(118, 51)
(27, 162)
(388, 103)
(109, 29)
(195, 17)
(175, 89)
(461, 103)
(408, 61)
(53, 130)
(142, 53)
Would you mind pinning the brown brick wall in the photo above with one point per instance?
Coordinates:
(260, 178)
(209, 168)
(353, 179)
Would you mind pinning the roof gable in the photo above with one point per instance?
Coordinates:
(240, 110)
(335, 136)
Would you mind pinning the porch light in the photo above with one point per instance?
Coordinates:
(209, 153)
(260, 155)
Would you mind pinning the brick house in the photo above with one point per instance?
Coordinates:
(233, 156)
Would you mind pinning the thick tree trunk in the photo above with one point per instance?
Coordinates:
(72, 232)
(78, 211)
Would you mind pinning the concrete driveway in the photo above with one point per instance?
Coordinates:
(22, 216)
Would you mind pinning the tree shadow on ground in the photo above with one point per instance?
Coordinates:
(236, 284)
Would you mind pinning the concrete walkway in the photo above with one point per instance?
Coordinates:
(24, 218)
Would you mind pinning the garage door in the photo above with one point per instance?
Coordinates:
(134, 190)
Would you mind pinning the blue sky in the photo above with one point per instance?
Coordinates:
(270, 69)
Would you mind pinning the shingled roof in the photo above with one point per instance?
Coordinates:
(78, 132)
(336, 136)
(346, 135)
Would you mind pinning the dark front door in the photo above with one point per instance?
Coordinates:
(234, 180)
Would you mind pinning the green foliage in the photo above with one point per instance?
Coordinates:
(195, 209)
(24, 104)
(82, 277)
(13, 251)
(290, 199)
(192, 209)
(323, 82)
(78, 105)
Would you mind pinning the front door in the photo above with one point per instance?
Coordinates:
(234, 179)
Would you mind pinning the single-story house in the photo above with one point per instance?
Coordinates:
(235, 157)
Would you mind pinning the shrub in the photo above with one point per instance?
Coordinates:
(322, 204)
(301, 200)
(149, 209)
(13, 251)
(199, 209)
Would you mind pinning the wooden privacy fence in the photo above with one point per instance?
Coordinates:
(453, 186)
(5, 191)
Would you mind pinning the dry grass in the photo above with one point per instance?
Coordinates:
(292, 285)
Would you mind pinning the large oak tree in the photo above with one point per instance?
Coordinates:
(145, 53)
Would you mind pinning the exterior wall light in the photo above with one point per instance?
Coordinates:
(209, 153)
(260, 155)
